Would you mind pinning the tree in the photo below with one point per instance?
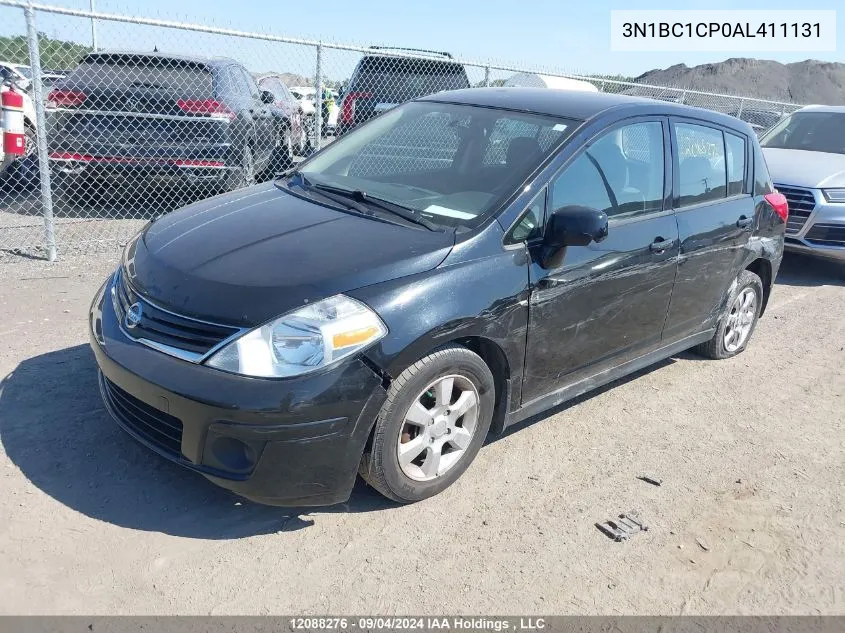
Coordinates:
(55, 54)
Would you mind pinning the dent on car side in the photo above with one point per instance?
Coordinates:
(481, 295)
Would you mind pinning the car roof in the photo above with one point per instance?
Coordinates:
(196, 59)
(576, 104)
(823, 108)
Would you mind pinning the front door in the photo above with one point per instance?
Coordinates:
(607, 300)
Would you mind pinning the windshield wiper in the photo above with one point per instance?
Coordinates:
(362, 199)
(299, 180)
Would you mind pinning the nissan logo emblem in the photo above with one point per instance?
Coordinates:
(133, 315)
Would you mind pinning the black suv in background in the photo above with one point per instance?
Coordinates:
(296, 127)
(380, 82)
(137, 118)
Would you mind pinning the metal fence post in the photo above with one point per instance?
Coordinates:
(487, 76)
(318, 99)
(739, 112)
(41, 131)
(93, 27)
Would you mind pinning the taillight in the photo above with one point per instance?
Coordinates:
(65, 98)
(347, 110)
(778, 202)
(206, 107)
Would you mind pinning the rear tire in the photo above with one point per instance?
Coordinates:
(441, 441)
(739, 319)
(244, 174)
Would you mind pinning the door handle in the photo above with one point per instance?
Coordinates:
(659, 245)
(744, 222)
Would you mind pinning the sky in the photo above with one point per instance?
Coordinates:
(562, 35)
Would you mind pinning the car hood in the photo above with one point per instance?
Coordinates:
(802, 168)
(249, 256)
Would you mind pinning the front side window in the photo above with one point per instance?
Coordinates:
(450, 163)
(621, 173)
(530, 225)
(701, 164)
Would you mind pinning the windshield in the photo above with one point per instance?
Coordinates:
(450, 164)
(812, 131)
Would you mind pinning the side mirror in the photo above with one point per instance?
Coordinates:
(267, 96)
(576, 226)
(571, 225)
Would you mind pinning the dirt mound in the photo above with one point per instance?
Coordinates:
(806, 82)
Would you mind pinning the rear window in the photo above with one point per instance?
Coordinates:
(127, 72)
(408, 78)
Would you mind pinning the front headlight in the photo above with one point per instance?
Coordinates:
(834, 195)
(302, 341)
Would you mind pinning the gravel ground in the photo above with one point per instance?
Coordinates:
(749, 518)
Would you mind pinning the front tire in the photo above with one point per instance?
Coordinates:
(739, 319)
(432, 425)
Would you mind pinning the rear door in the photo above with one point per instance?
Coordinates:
(716, 215)
(605, 302)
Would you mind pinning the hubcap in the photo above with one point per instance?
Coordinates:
(438, 428)
(740, 319)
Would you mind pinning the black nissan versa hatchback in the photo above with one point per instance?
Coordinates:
(451, 267)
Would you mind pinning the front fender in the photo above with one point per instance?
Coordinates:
(482, 297)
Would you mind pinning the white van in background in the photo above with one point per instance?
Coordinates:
(531, 80)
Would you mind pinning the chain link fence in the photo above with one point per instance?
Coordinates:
(128, 118)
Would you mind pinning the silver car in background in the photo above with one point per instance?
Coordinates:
(805, 153)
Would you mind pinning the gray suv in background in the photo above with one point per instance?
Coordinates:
(805, 153)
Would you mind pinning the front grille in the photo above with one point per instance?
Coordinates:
(826, 235)
(158, 428)
(163, 327)
(801, 205)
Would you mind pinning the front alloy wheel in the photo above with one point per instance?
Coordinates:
(431, 426)
(438, 428)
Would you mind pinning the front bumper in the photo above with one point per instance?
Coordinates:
(281, 442)
(819, 230)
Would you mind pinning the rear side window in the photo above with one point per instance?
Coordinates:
(247, 81)
(116, 73)
(398, 79)
(701, 168)
(762, 179)
(735, 149)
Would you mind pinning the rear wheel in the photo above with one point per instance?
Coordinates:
(244, 174)
(283, 154)
(432, 425)
(739, 319)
